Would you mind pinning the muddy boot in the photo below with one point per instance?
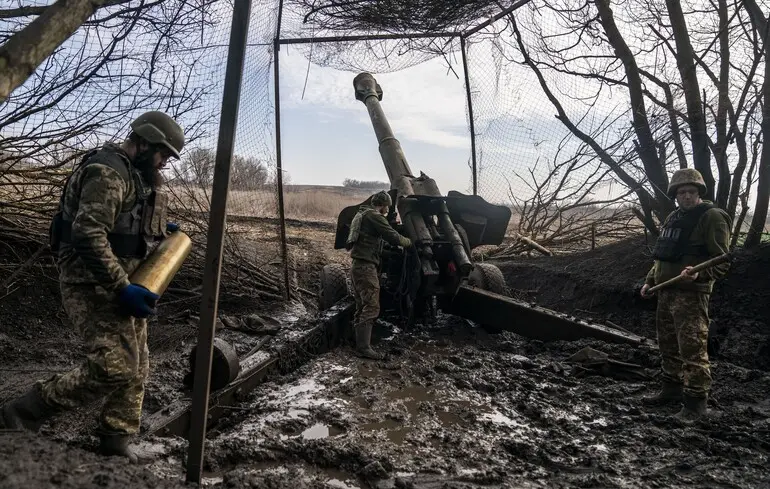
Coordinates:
(363, 340)
(117, 445)
(693, 409)
(670, 392)
(28, 412)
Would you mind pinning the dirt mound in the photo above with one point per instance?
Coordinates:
(602, 285)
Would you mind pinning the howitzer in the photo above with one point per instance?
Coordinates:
(441, 274)
(444, 229)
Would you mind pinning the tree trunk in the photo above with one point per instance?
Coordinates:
(720, 148)
(646, 146)
(763, 186)
(646, 200)
(685, 61)
(759, 219)
(24, 51)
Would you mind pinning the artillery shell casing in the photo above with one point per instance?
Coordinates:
(159, 268)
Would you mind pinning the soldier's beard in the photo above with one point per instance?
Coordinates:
(144, 163)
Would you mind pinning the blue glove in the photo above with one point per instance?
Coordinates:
(137, 301)
(172, 227)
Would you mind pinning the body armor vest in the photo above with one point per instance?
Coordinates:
(674, 240)
(136, 228)
(355, 227)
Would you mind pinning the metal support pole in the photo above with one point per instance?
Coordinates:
(217, 215)
(470, 117)
(372, 37)
(278, 162)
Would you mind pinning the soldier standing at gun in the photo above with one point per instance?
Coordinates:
(367, 232)
(109, 217)
(692, 234)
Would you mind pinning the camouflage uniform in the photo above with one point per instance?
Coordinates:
(90, 274)
(368, 230)
(682, 318)
(109, 220)
(117, 360)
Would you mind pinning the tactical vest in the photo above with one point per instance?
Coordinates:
(674, 240)
(134, 228)
(355, 228)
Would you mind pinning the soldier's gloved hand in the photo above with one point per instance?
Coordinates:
(172, 227)
(137, 301)
(405, 242)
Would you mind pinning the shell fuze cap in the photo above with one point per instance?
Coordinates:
(159, 128)
(686, 176)
(381, 198)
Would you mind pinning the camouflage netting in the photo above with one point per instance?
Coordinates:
(171, 55)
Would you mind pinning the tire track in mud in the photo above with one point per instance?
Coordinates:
(455, 407)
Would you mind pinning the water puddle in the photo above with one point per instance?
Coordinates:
(415, 392)
(448, 418)
(394, 430)
(340, 484)
(319, 431)
(309, 386)
(386, 424)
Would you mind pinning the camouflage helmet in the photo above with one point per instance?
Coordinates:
(686, 176)
(159, 128)
(381, 198)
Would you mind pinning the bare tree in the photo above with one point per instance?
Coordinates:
(761, 25)
(126, 59)
(655, 57)
(563, 210)
(197, 168)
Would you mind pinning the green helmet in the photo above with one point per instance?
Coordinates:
(686, 176)
(381, 198)
(159, 128)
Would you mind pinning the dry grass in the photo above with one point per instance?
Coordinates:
(319, 204)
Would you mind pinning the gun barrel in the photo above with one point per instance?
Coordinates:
(368, 91)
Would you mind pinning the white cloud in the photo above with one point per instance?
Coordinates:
(422, 103)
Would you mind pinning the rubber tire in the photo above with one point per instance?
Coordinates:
(487, 277)
(334, 285)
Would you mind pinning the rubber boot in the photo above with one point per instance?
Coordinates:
(28, 412)
(693, 408)
(670, 392)
(117, 445)
(363, 341)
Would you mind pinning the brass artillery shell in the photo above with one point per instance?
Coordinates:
(160, 267)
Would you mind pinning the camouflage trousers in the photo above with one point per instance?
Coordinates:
(683, 326)
(116, 363)
(366, 291)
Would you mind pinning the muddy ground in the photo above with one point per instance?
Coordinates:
(451, 406)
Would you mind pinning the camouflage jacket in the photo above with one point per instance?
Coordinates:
(711, 235)
(374, 229)
(93, 198)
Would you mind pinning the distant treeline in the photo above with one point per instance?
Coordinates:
(364, 184)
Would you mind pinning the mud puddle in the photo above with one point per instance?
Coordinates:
(455, 407)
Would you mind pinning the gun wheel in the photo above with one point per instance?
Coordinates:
(333, 287)
(487, 277)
